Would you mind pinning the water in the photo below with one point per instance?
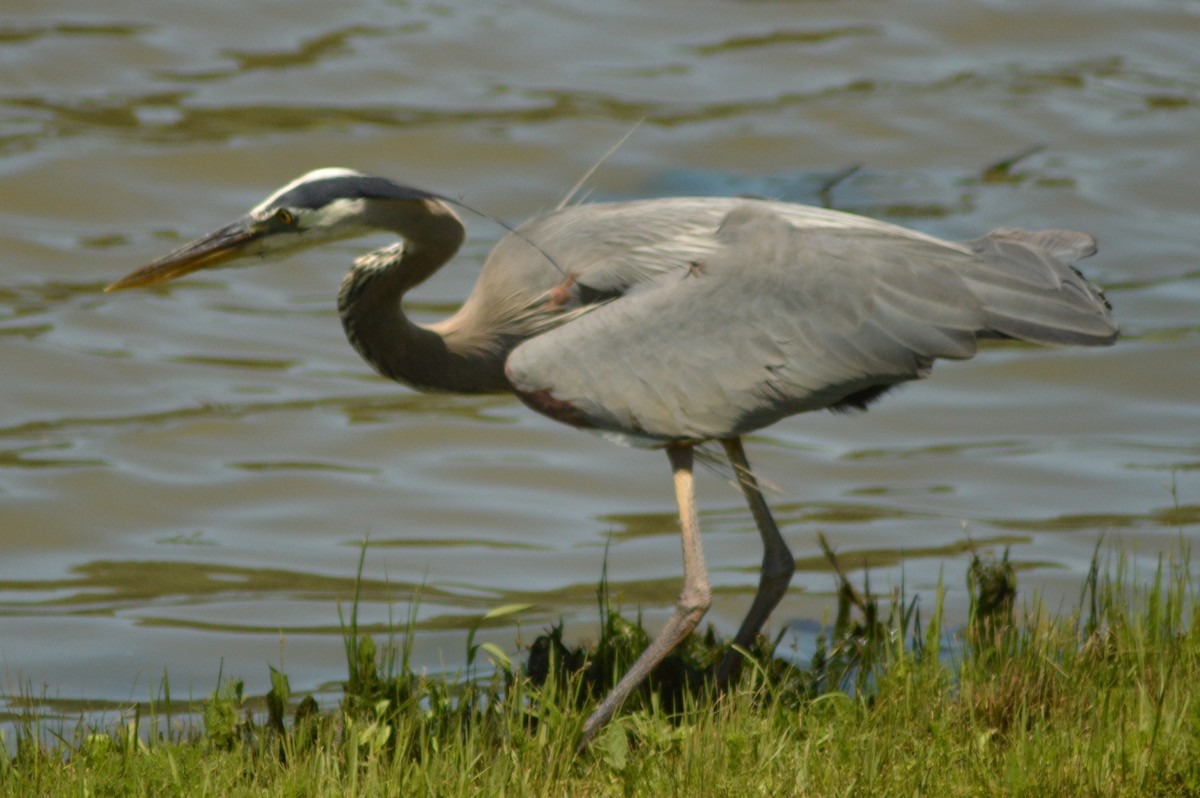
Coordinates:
(186, 474)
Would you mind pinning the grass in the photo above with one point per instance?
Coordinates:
(1104, 701)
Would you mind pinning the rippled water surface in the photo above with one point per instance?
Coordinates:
(186, 474)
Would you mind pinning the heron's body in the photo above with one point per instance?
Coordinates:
(593, 253)
(672, 322)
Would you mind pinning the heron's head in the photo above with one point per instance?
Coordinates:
(321, 206)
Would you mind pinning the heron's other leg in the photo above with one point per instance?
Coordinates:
(693, 600)
(777, 565)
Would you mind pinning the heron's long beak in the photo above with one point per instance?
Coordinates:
(214, 249)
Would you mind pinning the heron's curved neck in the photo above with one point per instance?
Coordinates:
(446, 357)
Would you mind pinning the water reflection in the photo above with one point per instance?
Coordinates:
(192, 123)
(110, 586)
(1178, 516)
(784, 37)
(310, 52)
(186, 473)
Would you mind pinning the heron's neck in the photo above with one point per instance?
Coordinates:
(445, 357)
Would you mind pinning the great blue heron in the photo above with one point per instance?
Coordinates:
(672, 322)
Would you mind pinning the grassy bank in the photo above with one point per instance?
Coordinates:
(1102, 702)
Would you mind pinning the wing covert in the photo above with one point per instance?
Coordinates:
(776, 321)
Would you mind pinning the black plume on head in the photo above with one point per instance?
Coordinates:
(319, 193)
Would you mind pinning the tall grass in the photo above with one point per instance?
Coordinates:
(1103, 701)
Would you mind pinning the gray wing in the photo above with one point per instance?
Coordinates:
(583, 255)
(612, 247)
(555, 266)
(781, 318)
(602, 249)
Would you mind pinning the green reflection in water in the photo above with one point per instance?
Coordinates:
(627, 526)
(255, 363)
(275, 466)
(27, 331)
(451, 543)
(1176, 517)
(308, 53)
(16, 708)
(987, 449)
(35, 457)
(104, 586)
(842, 513)
(630, 526)
(195, 538)
(16, 34)
(356, 409)
(17, 301)
(785, 37)
(862, 559)
(899, 490)
(48, 118)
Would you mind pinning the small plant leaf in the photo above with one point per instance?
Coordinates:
(277, 699)
(504, 610)
(613, 747)
(498, 656)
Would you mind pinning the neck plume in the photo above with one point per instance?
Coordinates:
(449, 356)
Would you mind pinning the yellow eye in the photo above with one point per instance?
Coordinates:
(285, 217)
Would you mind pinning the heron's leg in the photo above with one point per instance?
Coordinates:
(693, 600)
(777, 565)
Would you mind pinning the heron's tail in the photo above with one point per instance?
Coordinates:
(1031, 292)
